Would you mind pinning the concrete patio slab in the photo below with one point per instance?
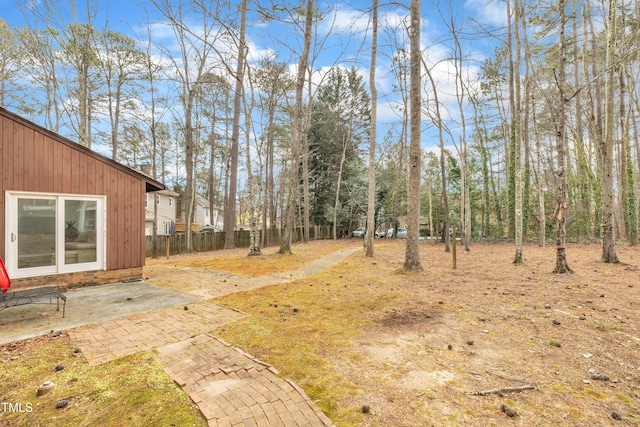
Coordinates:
(86, 306)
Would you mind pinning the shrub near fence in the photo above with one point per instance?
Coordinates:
(203, 242)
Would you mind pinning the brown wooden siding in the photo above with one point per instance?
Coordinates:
(33, 159)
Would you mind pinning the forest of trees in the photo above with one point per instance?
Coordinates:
(535, 139)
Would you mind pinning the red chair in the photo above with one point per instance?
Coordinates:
(5, 281)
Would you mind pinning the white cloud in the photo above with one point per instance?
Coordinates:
(255, 53)
(345, 20)
(398, 18)
(161, 33)
(493, 12)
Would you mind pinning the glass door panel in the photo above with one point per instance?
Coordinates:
(36, 233)
(80, 231)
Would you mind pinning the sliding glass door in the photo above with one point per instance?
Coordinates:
(80, 235)
(50, 234)
(35, 234)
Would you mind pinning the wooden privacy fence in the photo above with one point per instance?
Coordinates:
(203, 242)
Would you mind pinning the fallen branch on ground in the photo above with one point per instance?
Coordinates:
(502, 390)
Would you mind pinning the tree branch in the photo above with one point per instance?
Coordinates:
(502, 390)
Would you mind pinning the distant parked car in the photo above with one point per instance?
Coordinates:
(381, 234)
(401, 233)
(208, 229)
(358, 233)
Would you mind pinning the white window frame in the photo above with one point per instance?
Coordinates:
(11, 231)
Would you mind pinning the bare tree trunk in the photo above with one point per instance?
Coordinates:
(542, 216)
(443, 171)
(465, 203)
(631, 213)
(412, 254)
(254, 233)
(481, 132)
(292, 184)
(431, 231)
(516, 123)
(190, 72)
(526, 122)
(594, 118)
(371, 202)
(633, 178)
(401, 75)
(467, 208)
(273, 206)
(561, 207)
(583, 199)
(627, 170)
(224, 167)
(511, 146)
(486, 205)
(82, 39)
(599, 126)
(635, 113)
(230, 207)
(188, 164)
(606, 146)
(337, 201)
(267, 210)
(150, 71)
(306, 221)
(211, 176)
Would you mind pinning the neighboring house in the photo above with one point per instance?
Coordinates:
(167, 202)
(204, 216)
(68, 215)
(202, 212)
(217, 218)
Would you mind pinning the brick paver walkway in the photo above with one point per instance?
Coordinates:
(231, 387)
(112, 339)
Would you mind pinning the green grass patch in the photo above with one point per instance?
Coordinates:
(298, 328)
(596, 394)
(131, 391)
(603, 326)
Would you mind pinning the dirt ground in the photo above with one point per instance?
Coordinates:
(486, 344)
(563, 349)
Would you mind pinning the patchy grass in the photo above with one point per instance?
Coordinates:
(236, 261)
(131, 391)
(300, 327)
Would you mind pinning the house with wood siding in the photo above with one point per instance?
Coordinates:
(69, 215)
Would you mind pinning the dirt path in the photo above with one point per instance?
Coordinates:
(205, 283)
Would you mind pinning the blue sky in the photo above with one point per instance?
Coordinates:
(347, 24)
